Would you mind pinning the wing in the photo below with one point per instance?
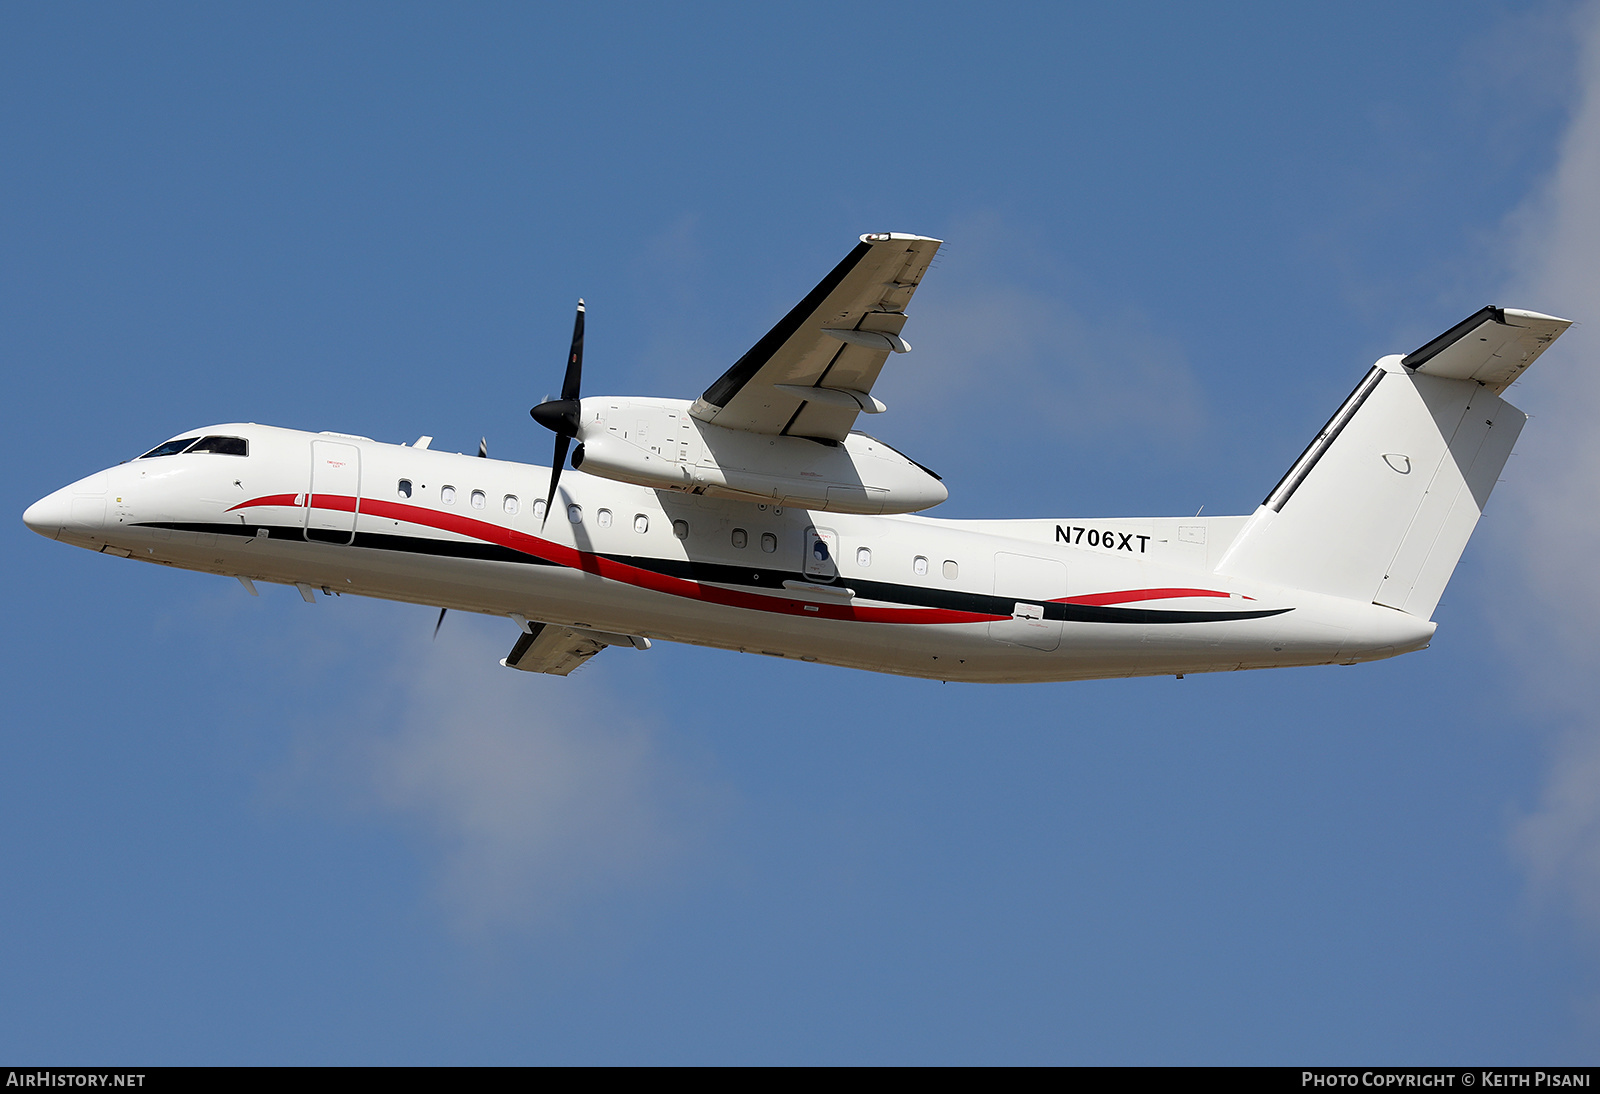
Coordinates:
(810, 375)
(1492, 346)
(545, 647)
(555, 650)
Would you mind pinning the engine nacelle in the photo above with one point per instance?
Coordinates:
(657, 443)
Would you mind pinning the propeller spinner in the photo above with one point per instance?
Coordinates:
(562, 416)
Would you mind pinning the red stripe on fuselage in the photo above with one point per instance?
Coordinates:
(1129, 596)
(591, 563)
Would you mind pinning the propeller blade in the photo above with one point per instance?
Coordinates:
(439, 624)
(556, 463)
(483, 447)
(563, 416)
(569, 385)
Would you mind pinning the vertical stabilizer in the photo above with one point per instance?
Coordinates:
(1381, 504)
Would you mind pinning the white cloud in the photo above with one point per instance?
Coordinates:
(1560, 840)
(532, 796)
(992, 331)
(1551, 614)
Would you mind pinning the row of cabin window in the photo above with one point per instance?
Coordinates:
(741, 540)
(680, 528)
(919, 564)
(479, 500)
(447, 495)
(603, 517)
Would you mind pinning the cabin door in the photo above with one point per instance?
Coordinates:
(334, 499)
(1027, 584)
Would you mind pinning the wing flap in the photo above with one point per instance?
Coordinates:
(1492, 346)
(838, 338)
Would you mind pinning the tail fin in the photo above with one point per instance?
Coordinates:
(1380, 506)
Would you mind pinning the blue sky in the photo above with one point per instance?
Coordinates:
(251, 830)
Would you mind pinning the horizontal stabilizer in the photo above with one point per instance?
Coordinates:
(1493, 346)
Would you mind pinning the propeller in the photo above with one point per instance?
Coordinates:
(439, 624)
(562, 416)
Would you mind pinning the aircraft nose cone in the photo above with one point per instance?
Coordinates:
(49, 514)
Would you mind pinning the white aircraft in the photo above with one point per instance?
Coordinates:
(757, 518)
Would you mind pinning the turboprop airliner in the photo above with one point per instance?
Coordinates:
(758, 518)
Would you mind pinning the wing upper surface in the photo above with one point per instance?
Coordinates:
(810, 375)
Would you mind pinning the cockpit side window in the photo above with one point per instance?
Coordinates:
(223, 446)
(171, 448)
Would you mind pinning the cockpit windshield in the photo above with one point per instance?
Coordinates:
(171, 448)
(221, 446)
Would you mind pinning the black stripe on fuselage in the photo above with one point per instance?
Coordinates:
(375, 541)
(742, 577)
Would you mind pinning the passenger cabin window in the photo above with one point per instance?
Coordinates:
(538, 509)
(575, 514)
(741, 538)
(680, 528)
(405, 488)
(512, 505)
(641, 523)
(448, 495)
(603, 518)
(478, 500)
(223, 446)
(769, 542)
(863, 556)
(951, 570)
(919, 566)
(171, 448)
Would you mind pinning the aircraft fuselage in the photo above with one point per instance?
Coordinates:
(978, 600)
